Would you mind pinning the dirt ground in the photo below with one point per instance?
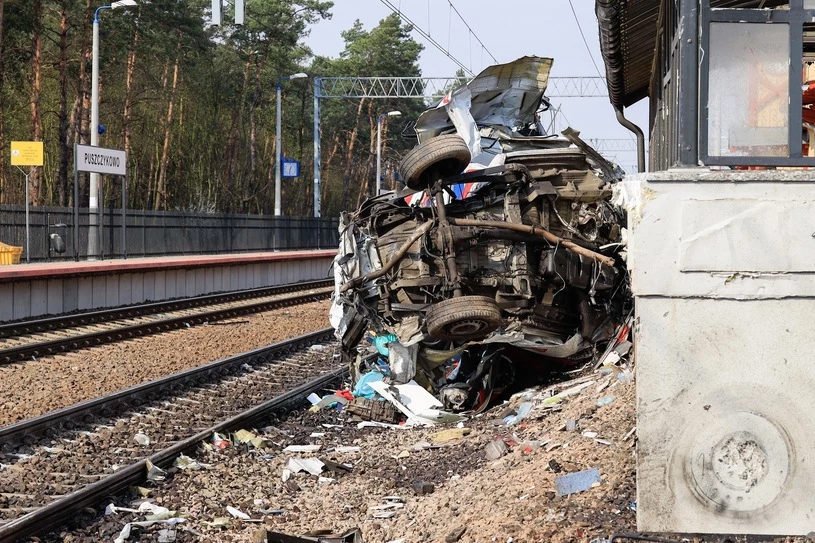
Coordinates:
(34, 387)
(512, 498)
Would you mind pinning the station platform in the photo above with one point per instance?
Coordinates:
(34, 290)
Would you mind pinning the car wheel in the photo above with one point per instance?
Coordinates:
(437, 158)
(463, 318)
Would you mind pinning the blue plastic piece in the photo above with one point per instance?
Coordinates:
(576, 482)
(380, 343)
(362, 389)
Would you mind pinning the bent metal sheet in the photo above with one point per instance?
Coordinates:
(100, 160)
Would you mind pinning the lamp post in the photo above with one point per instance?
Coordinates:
(379, 147)
(94, 239)
(279, 145)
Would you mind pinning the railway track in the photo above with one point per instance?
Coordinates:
(57, 465)
(27, 339)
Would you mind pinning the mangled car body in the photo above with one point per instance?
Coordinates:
(504, 248)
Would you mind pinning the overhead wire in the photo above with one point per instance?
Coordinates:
(426, 36)
(585, 42)
(472, 32)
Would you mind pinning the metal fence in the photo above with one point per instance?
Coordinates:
(157, 233)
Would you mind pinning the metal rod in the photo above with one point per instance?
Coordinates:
(378, 155)
(278, 157)
(76, 208)
(317, 194)
(640, 138)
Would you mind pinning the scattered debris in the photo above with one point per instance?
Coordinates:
(323, 536)
(184, 462)
(154, 473)
(423, 487)
(302, 448)
(310, 465)
(495, 449)
(605, 400)
(142, 439)
(237, 513)
(455, 535)
(449, 435)
(578, 481)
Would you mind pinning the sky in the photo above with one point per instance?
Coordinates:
(509, 29)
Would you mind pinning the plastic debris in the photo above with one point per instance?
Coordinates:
(495, 449)
(184, 462)
(237, 513)
(219, 441)
(449, 435)
(154, 473)
(313, 398)
(326, 480)
(579, 481)
(346, 449)
(142, 439)
(605, 400)
(310, 465)
(166, 535)
(219, 522)
(244, 436)
(590, 435)
(125, 533)
(523, 411)
(577, 389)
(362, 389)
(302, 448)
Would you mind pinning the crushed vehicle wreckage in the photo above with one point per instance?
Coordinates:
(504, 252)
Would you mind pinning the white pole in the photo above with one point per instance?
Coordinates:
(378, 155)
(317, 147)
(93, 204)
(278, 157)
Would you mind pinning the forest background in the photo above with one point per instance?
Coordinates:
(193, 105)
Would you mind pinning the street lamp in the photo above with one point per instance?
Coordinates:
(379, 147)
(93, 238)
(278, 143)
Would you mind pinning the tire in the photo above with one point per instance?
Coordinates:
(437, 158)
(463, 318)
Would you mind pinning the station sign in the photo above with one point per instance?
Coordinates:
(100, 160)
(290, 168)
(26, 153)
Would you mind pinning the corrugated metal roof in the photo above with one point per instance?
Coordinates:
(628, 34)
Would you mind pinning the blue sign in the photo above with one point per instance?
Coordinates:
(290, 168)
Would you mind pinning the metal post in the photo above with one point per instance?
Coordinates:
(27, 224)
(317, 193)
(100, 220)
(124, 216)
(278, 157)
(378, 154)
(94, 232)
(688, 83)
(76, 209)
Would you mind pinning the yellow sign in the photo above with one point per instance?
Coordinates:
(26, 153)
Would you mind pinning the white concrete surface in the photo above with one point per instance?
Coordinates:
(723, 270)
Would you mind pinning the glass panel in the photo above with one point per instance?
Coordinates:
(748, 96)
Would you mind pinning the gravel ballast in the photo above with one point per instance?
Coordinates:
(35, 387)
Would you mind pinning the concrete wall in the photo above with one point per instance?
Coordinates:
(723, 271)
(24, 298)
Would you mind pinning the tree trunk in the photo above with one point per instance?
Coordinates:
(2, 108)
(35, 179)
(64, 144)
(128, 109)
(161, 189)
(349, 162)
(80, 112)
